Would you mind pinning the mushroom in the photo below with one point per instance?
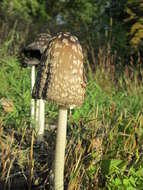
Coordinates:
(61, 79)
(31, 56)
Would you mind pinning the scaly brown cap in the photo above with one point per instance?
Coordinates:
(31, 54)
(61, 76)
(40, 43)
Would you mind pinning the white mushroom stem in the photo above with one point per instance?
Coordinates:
(37, 114)
(32, 100)
(39, 106)
(60, 149)
(41, 118)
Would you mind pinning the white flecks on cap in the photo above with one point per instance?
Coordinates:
(65, 41)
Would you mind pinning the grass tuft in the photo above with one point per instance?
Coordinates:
(104, 140)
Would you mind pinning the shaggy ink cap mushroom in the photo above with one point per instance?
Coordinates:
(63, 79)
(31, 54)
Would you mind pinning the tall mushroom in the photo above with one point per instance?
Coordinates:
(31, 56)
(61, 79)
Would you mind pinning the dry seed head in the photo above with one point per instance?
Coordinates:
(65, 83)
(7, 105)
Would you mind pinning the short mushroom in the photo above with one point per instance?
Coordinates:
(31, 56)
(61, 79)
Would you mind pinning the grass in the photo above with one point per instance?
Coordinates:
(104, 140)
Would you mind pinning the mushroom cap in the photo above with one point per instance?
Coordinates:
(31, 54)
(40, 43)
(61, 74)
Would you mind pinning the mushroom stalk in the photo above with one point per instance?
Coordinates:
(41, 119)
(60, 149)
(32, 100)
(37, 114)
(40, 109)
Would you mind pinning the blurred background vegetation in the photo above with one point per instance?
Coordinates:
(104, 142)
(94, 22)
